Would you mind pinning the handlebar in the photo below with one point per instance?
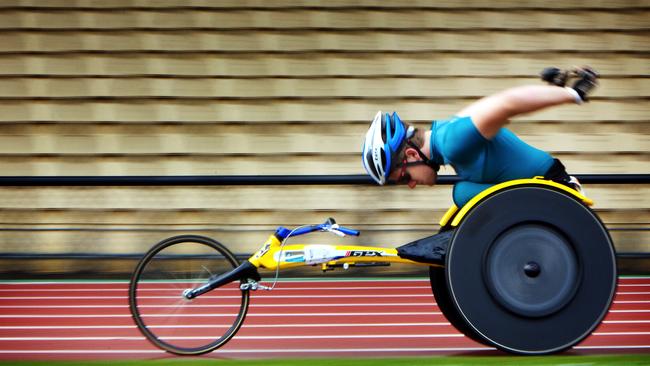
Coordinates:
(348, 231)
(330, 225)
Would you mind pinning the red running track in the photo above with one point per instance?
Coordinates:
(352, 318)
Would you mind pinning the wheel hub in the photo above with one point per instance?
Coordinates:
(531, 270)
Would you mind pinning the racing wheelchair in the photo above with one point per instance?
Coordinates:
(525, 266)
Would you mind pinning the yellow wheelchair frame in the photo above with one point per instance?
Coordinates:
(273, 255)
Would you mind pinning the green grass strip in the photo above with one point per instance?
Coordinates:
(595, 360)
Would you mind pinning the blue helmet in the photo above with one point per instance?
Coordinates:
(384, 139)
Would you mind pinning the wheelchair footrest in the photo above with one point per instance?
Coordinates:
(431, 249)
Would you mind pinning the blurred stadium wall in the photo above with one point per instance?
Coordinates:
(201, 87)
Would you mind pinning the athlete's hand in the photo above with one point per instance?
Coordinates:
(586, 79)
(554, 76)
(586, 82)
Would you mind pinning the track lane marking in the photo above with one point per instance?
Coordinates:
(630, 311)
(254, 314)
(428, 304)
(614, 347)
(310, 325)
(213, 297)
(196, 306)
(619, 333)
(237, 297)
(276, 337)
(281, 280)
(625, 321)
(240, 351)
(277, 288)
(290, 337)
(425, 288)
(221, 315)
(317, 350)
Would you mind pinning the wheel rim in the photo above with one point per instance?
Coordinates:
(531, 270)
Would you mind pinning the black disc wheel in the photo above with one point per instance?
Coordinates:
(165, 316)
(530, 270)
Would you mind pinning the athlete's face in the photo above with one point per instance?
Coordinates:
(412, 171)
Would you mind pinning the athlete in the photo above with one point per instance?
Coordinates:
(474, 141)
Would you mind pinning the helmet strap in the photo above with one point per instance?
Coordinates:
(430, 162)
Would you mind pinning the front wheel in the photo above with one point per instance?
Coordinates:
(165, 316)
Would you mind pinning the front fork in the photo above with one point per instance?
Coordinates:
(245, 271)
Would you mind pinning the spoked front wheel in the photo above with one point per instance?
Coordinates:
(166, 317)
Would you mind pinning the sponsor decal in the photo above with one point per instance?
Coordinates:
(295, 259)
(363, 253)
(293, 256)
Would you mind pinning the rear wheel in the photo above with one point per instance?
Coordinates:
(165, 316)
(531, 271)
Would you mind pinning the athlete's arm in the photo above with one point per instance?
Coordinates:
(491, 113)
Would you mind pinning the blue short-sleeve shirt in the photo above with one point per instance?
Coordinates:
(482, 163)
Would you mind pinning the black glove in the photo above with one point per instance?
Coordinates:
(555, 76)
(587, 81)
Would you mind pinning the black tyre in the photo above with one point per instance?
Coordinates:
(165, 316)
(443, 299)
(531, 270)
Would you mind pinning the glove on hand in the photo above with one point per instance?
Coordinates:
(587, 79)
(555, 76)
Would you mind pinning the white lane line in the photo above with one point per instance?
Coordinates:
(278, 288)
(252, 314)
(310, 325)
(275, 337)
(273, 296)
(643, 346)
(280, 315)
(284, 351)
(266, 296)
(281, 280)
(311, 281)
(625, 321)
(105, 297)
(79, 352)
(633, 284)
(208, 306)
(207, 326)
(216, 336)
(631, 311)
(258, 351)
(197, 306)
